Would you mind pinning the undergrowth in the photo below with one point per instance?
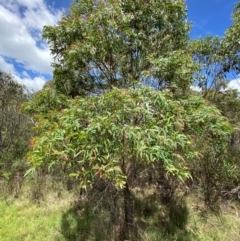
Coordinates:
(60, 216)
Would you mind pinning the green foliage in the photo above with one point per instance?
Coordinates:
(208, 53)
(15, 127)
(231, 43)
(215, 168)
(228, 103)
(110, 135)
(45, 101)
(101, 44)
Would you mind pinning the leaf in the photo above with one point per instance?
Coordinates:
(31, 170)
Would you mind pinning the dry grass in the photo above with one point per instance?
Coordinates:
(53, 218)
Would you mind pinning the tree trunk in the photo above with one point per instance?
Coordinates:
(128, 211)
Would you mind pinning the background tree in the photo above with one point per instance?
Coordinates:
(15, 129)
(231, 44)
(218, 60)
(211, 75)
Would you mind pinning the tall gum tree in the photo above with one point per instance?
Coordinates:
(101, 44)
(114, 128)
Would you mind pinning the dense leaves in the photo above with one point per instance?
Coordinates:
(101, 44)
(109, 135)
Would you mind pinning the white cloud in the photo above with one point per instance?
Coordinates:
(195, 88)
(17, 40)
(34, 84)
(21, 23)
(234, 84)
(6, 66)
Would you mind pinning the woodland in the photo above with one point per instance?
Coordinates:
(137, 125)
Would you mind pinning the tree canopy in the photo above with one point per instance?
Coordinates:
(109, 135)
(121, 43)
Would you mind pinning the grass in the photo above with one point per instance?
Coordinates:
(27, 218)
(223, 225)
(26, 221)
(201, 225)
(55, 219)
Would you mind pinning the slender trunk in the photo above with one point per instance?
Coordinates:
(128, 211)
(1, 142)
(114, 211)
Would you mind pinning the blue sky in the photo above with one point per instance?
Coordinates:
(210, 17)
(27, 57)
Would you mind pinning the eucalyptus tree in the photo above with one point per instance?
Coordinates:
(115, 129)
(102, 44)
(121, 135)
